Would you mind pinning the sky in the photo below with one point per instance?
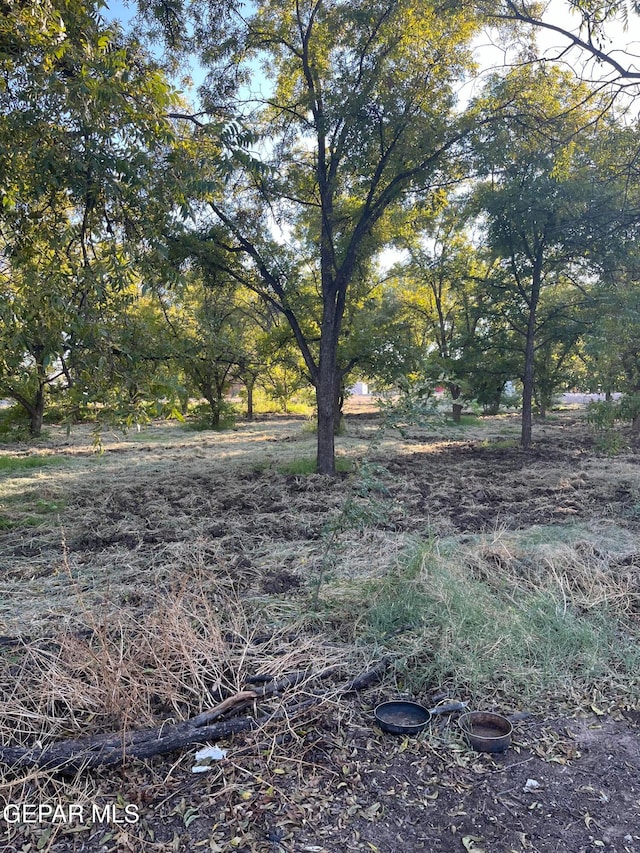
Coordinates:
(123, 11)
(489, 54)
(620, 43)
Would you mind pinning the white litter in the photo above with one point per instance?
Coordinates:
(214, 753)
(205, 756)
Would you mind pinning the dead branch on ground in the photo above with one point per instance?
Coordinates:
(108, 750)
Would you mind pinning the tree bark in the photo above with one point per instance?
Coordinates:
(529, 353)
(456, 408)
(327, 389)
(37, 413)
(249, 383)
(325, 397)
(215, 409)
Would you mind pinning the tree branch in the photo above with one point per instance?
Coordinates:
(524, 17)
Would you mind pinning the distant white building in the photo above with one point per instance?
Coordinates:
(360, 389)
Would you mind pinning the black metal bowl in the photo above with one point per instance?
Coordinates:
(402, 718)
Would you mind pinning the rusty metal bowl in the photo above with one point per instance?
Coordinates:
(402, 718)
(486, 731)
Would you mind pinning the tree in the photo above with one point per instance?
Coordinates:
(536, 198)
(441, 286)
(362, 116)
(82, 127)
(611, 349)
(35, 290)
(563, 318)
(210, 328)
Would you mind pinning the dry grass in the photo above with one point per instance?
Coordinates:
(196, 644)
(193, 651)
(587, 569)
(158, 576)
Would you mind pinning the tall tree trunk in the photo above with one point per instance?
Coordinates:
(527, 386)
(215, 412)
(456, 408)
(327, 391)
(249, 383)
(37, 412)
(529, 352)
(325, 398)
(208, 392)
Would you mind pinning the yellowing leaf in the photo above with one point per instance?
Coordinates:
(469, 843)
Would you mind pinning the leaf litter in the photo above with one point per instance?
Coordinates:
(164, 582)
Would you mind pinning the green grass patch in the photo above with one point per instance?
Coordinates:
(307, 465)
(20, 464)
(446, 627)
(19, 511)
(465, 421)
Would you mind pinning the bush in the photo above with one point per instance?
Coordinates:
(14, 424)
(202, 417)
(603, 415)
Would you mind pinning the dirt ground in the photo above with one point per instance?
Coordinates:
(165, 501)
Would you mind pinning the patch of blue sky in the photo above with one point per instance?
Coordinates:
(192, 75)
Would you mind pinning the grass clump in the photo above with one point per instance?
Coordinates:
(16, 464)
(307, 465)
(461, 621)
(17, 512)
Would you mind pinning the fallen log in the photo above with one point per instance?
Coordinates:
(245, 698)
(107, 750)
(369, 677)
(70, 756)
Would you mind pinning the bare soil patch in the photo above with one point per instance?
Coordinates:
(167, 512)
